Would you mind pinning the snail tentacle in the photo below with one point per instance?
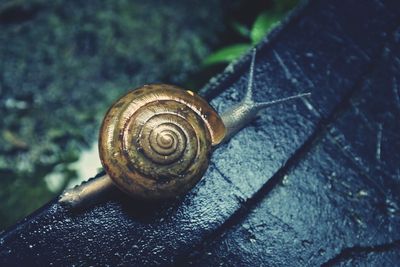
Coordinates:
(238, 116)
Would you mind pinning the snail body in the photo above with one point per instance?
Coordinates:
(156, 141)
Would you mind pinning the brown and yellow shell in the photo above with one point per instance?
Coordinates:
(155, 142)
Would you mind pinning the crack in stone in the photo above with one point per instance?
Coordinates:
(351, 252)
(229, 181)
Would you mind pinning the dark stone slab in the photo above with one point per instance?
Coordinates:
(281, 191)
(339, 205)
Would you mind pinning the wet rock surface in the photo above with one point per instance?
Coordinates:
(308, 183)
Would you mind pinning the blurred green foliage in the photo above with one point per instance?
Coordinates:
(227, 54)
(262, 25)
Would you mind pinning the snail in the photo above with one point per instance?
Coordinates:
(155, 142)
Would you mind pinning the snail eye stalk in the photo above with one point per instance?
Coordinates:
(238, 116)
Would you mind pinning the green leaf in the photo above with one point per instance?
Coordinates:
(241, 29)
(227, 54)
(263, 25)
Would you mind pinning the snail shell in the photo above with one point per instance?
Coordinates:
(155, 142)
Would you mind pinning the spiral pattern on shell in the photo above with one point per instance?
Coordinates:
(155, 142)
